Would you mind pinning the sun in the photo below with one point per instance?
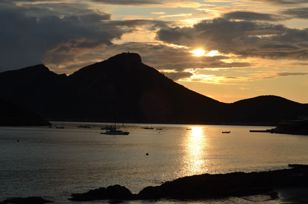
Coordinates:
(198, 52)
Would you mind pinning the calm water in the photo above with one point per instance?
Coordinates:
(57, 162)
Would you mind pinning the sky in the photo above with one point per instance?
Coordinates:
(225, 49)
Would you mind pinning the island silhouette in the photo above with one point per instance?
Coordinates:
(124, 89)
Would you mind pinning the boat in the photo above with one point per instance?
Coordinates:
(259, 130)
(226, 132)
(114, 131)
(148, 128)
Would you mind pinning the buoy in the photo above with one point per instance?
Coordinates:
(147, 154)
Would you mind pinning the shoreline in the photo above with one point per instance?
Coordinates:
(209, 186)
(286, 183)
(160, 124)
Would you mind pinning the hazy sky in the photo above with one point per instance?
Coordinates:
(225, 49)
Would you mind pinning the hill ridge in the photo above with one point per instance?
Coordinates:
(124, 89)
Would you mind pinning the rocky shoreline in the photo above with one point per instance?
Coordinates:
(207, 186)
(200, 187)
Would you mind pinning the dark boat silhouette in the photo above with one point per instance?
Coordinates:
(259, 130)
(148, 128)
(226, 132)
(114, 131)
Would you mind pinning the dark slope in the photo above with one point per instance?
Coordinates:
(121, 88)
(124, 89)
(35, 88)
(268, 110)
(11, 115)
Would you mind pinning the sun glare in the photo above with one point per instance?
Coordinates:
(198, 52)
(213, 53)
(196, 149)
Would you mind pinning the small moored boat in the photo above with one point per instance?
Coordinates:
(114, 131)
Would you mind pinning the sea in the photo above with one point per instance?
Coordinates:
(54, 162)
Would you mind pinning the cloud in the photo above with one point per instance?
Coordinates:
(275, 75)
(67, 58)
(252, 16)
(292, 74)
(179, 3)
(56, 8)
(115, 2)
(177, 75)
(129, 2)
(285, 1)
(25, 38)
(29, 32)
(297, 12)
(67, 36)
(244, 38)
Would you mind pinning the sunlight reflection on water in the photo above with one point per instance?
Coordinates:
(57, 162)
(196, 150)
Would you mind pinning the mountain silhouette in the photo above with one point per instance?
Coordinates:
(11, 115)
(267, 110)
(124, 89)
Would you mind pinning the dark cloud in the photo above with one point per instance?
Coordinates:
(116, 2)
(252, 16)
(129, 25)
(297, 12)
(245, 38)
(25, 38)
(27, 33)
(47, 8)
(129, 2)
(285, 1)
(135, 2)
(65, 58)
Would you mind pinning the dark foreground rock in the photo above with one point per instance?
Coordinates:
(28, 200)
(115, 192)
(209, 186)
